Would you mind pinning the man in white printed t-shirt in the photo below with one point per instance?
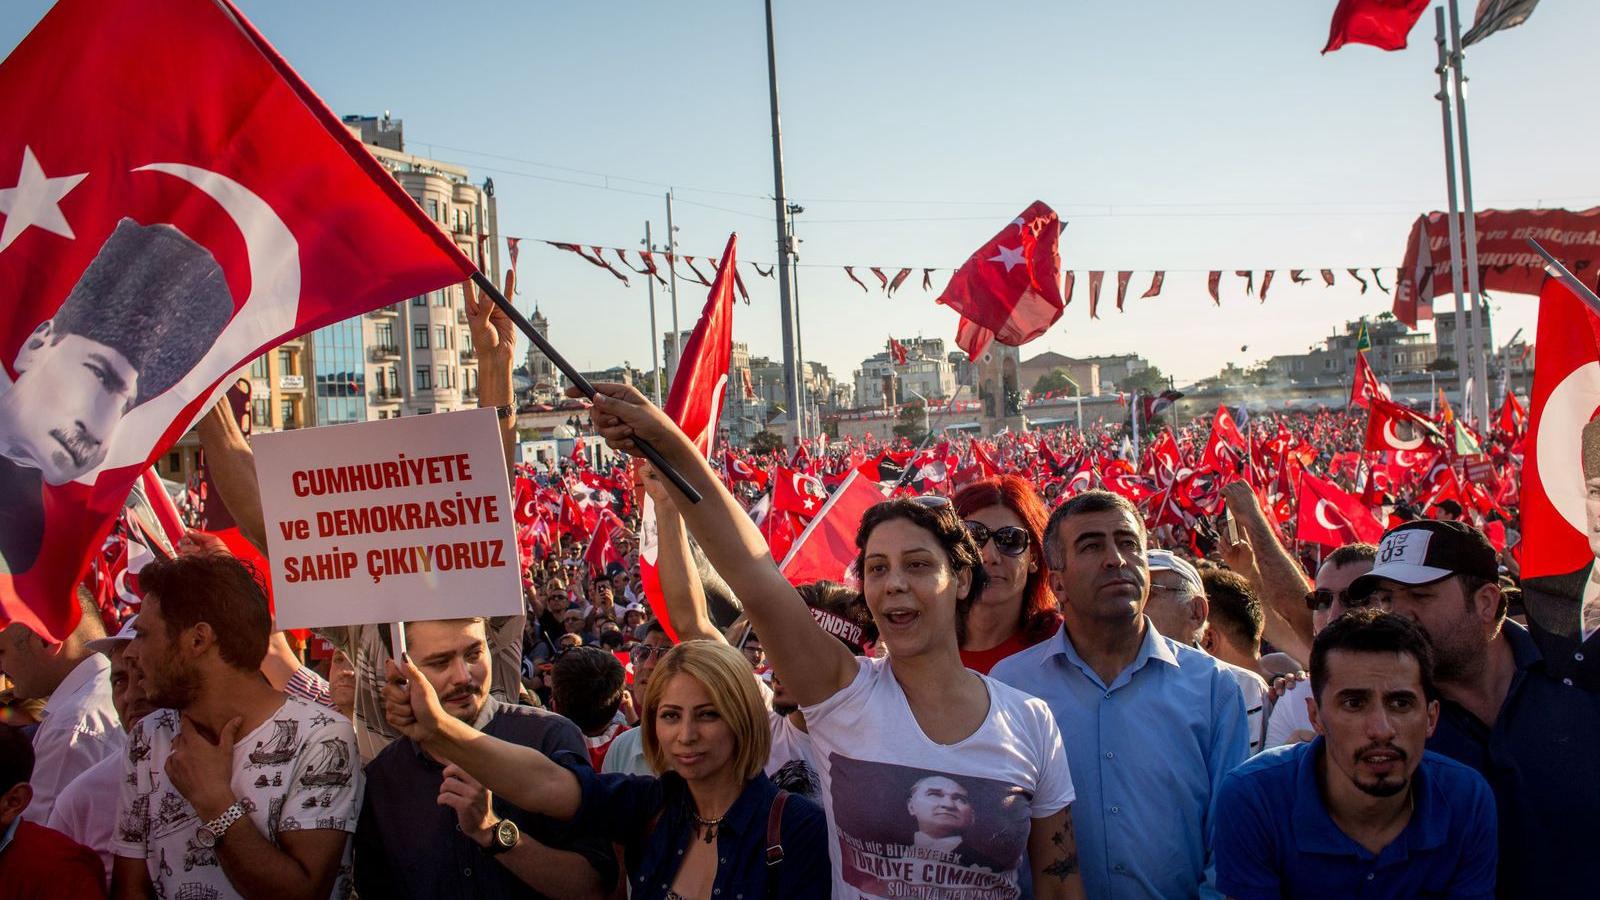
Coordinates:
(231, 789)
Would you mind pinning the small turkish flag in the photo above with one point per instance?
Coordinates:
(198, 206)
(741, 470)
(1391, 426)
(1565, 396)
(798, 493)
(1010, 289)
(601, 552)
(1382, 23)
(1365, 385)
(1333, 518)
(827, 548)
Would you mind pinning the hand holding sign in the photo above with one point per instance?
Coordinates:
(410, 703)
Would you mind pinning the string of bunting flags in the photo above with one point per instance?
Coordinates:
(892, 278)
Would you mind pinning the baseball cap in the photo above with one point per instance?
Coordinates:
(1426, 551)
(1166, 561)
(107, 644)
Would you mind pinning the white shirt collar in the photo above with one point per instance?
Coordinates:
(84, 678)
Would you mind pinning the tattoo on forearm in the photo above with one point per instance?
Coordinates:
(1066, 842)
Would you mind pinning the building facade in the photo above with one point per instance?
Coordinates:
(927, 371)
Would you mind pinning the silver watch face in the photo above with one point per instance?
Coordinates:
(205, 838)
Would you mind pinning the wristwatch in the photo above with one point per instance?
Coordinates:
(211, 832)
(502, 837)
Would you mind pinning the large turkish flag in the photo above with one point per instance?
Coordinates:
(176, 202)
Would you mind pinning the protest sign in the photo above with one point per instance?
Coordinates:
(394, 520)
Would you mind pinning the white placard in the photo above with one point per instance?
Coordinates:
(396, 520)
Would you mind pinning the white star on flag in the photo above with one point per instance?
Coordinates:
(1009, 257)
(35, 201)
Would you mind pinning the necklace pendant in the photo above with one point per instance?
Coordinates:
(711, 833)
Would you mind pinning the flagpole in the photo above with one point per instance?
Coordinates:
(582, 384)
(650, 286)
(1480, 398)
(791, 374)
(1463, 358)
(672, 276)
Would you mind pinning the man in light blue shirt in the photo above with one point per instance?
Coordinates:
(1150, 727)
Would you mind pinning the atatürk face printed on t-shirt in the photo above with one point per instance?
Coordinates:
(907, 832)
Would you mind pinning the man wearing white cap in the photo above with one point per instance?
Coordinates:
(86, 809)
(1178, 608)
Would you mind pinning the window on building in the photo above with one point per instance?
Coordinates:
(258, 367)
(286, 409)
(442, 298)
(440, 340)
(261, 411)
(433, 209)
(383, 334)
(444, 376)
(424, 378)
(394, 378)
(419, 337)
(285, 362)
(419, 300)
(173, 463)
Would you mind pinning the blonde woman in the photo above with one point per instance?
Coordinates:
(711, 825)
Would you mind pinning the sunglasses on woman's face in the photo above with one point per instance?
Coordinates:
(645, 651)
(1010, 540)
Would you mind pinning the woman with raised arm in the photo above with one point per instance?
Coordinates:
(933, 776)
(1016, 609)
(711, 826)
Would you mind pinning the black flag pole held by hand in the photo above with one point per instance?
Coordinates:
(650, 453)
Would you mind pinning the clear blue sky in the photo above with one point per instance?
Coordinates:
(1169, 133)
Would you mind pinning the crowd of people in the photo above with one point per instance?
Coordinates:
(1053, 668)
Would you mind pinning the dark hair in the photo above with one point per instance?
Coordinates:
(849, 605)
(1080, 504)
(16, 758)
(1472, 584)
(947, 528)
(586, 687)
(654, 626)
(1234, 607)
(219, 590)
(1040, 612)
(1372, 630)
(1351, 554)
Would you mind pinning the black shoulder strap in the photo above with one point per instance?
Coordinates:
(775, 841)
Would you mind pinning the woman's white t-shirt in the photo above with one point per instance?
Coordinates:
(908, 817)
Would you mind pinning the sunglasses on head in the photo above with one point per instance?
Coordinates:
(1010, 540)
(931, 501)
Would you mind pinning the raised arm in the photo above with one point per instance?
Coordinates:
(522, 775)
(685, 596)
(233, 471)
(813, 665)
(494, 338)
(1274, 574)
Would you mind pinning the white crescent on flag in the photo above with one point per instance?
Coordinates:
(1560, 460)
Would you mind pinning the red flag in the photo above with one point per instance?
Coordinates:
(1010, 290)
(1364, 386)
(1391, 426)
(1333, 518)
(1095, 278)
(1382, 23)
(160, 233)
(600, 552)
(1122, 288)
(827, 548)
(1513, 418)
(1266, 282)
(695, 401)
(1155, 285)
(797, 492)
(1565, 396)
(741, 470)
(1212, 281)
(898, 351)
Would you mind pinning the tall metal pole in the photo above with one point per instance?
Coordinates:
(799, 342)
(672, 276)
(1463, 351)
(781, 204)
(655, 336)
(1480, 394)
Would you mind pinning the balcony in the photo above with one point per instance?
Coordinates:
(384, 312)
(386, 395)
(461, 315)
(291, 382)
(468, 355)
(380, 352)
(470, 392)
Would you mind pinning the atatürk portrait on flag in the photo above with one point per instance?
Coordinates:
(140, 318)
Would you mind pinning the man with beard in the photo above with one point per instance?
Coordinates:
(86, 809)
(430, 830)
(230, 788)
(1362, 809)
(1502, 712)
